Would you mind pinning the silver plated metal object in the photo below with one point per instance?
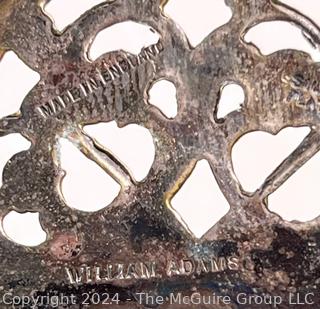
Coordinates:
(138, 244)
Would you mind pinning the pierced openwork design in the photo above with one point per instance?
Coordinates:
(138, 242)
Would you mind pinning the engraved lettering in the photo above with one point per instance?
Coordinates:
(124, 64)
(112, 272)
(58, 102)
(107, 75)
(131, 272)
(173, 269)
(114, 71)
(83, 89)
(143, 57)
(120, 271)
(233, 263)
(160, 46)
(91, 85)
(45, 110)
(109, 273)
(201, 268)
(52, 105)
(74, 94)
(88, 275)
(133, 62)
(65, 100)
(147, 270)
(97, 271)
(75, 276)
(101, 78)
(150, 52)
(218, 264)
(187, 266)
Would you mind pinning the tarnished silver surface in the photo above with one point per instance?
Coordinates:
(137, 244)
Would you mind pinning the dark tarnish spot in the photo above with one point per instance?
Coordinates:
(17, 283)
(143, 227)
(224, 248)
(57, 78)
(219, 248)
(288, 251)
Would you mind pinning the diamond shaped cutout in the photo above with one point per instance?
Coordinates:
(200, 202)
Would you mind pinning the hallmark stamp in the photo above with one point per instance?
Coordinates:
(111, 272)
(104, 78)
(188, 267)
(147, 270)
